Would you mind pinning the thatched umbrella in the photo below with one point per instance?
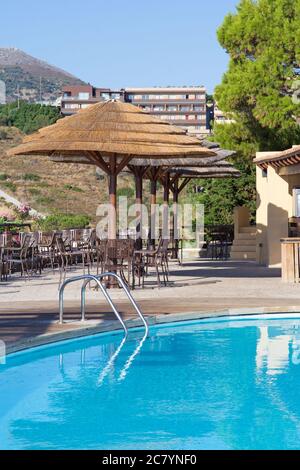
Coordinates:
(168, 173)
(179, 177)
(111, 135)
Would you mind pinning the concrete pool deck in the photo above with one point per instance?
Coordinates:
(29, 309)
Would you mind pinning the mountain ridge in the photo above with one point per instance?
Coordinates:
(30, 78)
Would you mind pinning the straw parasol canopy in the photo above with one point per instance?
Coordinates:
(109, 135)
(111, 128)
(222, 167)
(179, 177)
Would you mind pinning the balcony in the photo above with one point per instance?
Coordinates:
(167, 101)
(91, 99)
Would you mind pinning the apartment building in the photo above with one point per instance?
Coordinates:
(220, 117)
(182, 106)
(79, 97)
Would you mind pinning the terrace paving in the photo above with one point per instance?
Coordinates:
(29, 308)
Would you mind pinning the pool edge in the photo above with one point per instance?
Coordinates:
(89, 328)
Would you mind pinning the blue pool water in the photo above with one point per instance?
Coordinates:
(197, 385)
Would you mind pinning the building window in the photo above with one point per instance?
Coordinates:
(296, 197)
(264, 172)
(145, 107)
(185, 108)
(72, 106)
(172, 108)
(198, 108)
(82, 95)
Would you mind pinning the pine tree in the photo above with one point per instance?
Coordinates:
(258, 91)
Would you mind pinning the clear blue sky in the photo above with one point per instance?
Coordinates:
(118, 43)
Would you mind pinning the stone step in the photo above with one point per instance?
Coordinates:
(251, 229)
(246, 236)
(244, 241)
(243, 248)
(250, 256)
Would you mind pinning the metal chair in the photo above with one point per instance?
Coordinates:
(19, 256)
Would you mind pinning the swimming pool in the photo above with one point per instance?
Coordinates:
(196, 385)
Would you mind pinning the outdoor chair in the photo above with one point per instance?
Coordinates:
(157, 259)
(80, 237)
(46, 250)
(219, 240)
(3, 267)
(91, 246)
(119, 258)
(68, 237)
(19, 256)
(3, 271)
(100, 254)
(69, 257)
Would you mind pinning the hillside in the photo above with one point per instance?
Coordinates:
(20, 69)
(46, 186)
(50, 187)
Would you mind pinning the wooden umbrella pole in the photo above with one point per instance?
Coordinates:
(153, 189)
(165, 226)
(112, 187)
(139, 202)
(175, 219)
(175, 209)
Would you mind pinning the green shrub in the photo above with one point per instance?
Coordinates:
(28, 117)
(34, 191)
(73, 188)
(129, 192)
(3, 134)
(64, 221)
(31, 177)
(44, 200)
(3, 176)
(42, 184)
(9, 185)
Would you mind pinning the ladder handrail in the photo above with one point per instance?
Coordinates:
(87, 278)
(91, 278)
(125, 288)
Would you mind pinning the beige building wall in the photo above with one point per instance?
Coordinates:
(275, 206)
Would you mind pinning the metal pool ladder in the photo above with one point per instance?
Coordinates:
(87, 278)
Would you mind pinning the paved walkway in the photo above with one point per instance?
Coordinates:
(30, 308)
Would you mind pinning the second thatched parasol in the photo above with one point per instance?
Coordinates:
(110, 135)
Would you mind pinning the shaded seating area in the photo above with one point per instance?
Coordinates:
(118, 137)
(24, 255)
(219, 239)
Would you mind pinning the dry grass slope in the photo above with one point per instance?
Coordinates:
(49, 187)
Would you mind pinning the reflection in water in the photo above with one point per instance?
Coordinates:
(109, 365)
(296, 348)
(131, 358)
(199, 386)
(273, 354)
(273, 350)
